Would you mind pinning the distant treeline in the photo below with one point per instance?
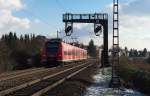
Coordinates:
(134, 52)
(16, 52)
(22, 52)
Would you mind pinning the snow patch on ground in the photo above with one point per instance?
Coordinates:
(101, 88)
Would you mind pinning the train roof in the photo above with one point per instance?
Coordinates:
(55, 40)
(60, 40)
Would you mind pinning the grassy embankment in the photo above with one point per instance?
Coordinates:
(136, 74)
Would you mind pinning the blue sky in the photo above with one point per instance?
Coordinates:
(49, 12)
(45, 17)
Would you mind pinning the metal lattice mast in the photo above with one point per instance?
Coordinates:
(115, 82)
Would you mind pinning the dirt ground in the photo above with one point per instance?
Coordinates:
(76, 86)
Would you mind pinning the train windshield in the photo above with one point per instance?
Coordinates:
(52, 47)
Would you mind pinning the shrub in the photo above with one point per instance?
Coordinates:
(135, 75)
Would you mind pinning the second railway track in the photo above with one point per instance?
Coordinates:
(19, 73)
(44, 83)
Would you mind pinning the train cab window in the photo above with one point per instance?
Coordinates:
(52, 47)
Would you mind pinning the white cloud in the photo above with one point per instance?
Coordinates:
(9, 22)
(134, 24)
(11, 4)
(80, 25)
(134, 31)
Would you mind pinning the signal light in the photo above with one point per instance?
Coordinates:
(68, 30)
(97, 30)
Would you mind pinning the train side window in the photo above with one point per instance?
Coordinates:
(78, 53)
(69, 52)
(73, 52)
(65, 52)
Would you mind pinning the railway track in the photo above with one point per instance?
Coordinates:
(15, 80)
(19, 73)
(44, 81)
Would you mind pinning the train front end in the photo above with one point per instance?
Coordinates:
(51, 53)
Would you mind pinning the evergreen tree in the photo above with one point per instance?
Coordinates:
(6, 62)
(26, 38)
(15, 52)
(10, 36)
(15, 37)
(126, 51)
(140, 54)
(91, 49)
(21, 37)
(33, 37)
(135, 53)
(144, 53)
(3, 38)
(131, 53)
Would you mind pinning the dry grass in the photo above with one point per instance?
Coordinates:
(141, 64)
(136, 74)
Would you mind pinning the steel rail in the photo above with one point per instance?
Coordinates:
(23, 74)
(13, 89)
(39, 93)
(6, 74)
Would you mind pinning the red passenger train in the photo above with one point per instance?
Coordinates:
(56, 52)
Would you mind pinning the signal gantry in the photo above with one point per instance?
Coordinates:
(100, 21)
